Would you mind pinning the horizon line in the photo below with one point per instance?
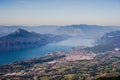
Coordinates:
(56, 25)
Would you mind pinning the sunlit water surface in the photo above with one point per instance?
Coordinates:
(66, 45)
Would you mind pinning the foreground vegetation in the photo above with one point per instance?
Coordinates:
(56, 67)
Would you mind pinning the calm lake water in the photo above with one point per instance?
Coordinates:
(66, 45)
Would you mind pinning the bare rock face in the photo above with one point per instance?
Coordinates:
(22, 39)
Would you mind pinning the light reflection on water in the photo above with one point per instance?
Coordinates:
(75, 42)
(66, 45)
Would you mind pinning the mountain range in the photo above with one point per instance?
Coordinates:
(88, 31)
(108, 42)
(17, 38)
(80, 30)
(22, 39)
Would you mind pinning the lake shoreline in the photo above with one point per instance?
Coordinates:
(13, 56)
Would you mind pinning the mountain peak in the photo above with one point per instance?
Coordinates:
(20, 31)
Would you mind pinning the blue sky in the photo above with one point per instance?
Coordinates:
(59, 12)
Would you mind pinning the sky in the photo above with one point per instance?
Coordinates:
(59, 12)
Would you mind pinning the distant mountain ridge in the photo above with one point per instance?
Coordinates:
(22, 39)
(108, 42)
(5, 30)
(90, 31)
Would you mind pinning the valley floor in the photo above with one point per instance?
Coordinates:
(75, 65)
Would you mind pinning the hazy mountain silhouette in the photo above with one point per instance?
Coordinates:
(22, 39)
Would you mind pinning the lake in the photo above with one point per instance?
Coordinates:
(66, 45)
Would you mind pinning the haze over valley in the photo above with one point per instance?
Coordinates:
(59, 39)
